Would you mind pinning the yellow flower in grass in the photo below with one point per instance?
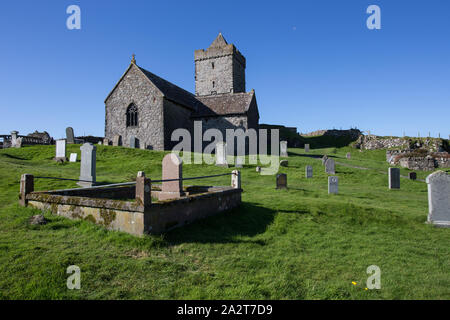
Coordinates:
(354, 283)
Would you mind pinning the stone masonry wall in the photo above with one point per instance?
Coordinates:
(135, 88)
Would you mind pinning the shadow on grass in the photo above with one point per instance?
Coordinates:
(248, 220)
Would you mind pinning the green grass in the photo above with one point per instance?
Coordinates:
(299, 243)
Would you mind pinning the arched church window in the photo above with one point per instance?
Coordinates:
(132, 116)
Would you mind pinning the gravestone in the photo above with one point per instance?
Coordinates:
(19, 142)
(69, 135)
(281, 181)
(14, 138)
(309, 171)
(132, 142)
(60, 150)
(100, 143)
(236, 179)
(117, 140)
(106, 142)
(412, 176)
(306, 147)
(221, 154)
(258, 169)
(283, 149)
(394, 178)
(88, 165)
(349, 155)
(172, 168)
(439, 198)
(324, 159)
(284, 163)
(332, 185)
(330, 166)
(73, 157)
(143, 145)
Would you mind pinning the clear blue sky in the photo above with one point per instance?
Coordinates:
(313, 63)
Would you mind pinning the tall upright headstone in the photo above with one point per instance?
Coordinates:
(333, 185)
(106, 142)
(283, 149)
(221, 154)
(14, 137)
(88, 165)
(309, 172)
(117, 140)
(172, 169)
(236, 179)
(281, 181)
(60, 150)
(394, 178)
(330, 166)
(439, 198)
(306, 147)
(70, 135)
(132, 142)
(324, 159)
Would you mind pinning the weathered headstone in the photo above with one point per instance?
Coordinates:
(258, 169)
(349, 155)
(172, 168)
(332, 185)
(14, 138)
(324, 159)
(70, 135)
(88, 165)
(283, 149)
(281, 181)
(309, 171)
(306, 147)
(236, 179)
(60, 150)
(99, 143)
(132, 142)
(73, 157)
(439, 198)
(142, 145)
(394, 178)
(330, 166)
(19, 142)
(221, 154)
(106, 142)
(117, 140)
(412, 176)
(284, 163)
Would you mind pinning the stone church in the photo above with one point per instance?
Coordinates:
(144, 109)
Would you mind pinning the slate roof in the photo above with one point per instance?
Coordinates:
(171, 91)
(223, 104)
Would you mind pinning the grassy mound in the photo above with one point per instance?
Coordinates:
(299, 243)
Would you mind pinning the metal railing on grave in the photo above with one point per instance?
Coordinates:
(108, 185)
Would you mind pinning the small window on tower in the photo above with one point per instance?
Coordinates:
(212, 65)
(214, 84)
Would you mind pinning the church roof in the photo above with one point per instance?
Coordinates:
(224, 104)
(171, 91)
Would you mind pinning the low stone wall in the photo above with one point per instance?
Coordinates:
(418, 159)
(132, 216)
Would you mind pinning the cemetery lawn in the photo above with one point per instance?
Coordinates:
(299, 243)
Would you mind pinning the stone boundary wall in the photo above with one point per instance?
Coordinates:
(418, 159)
